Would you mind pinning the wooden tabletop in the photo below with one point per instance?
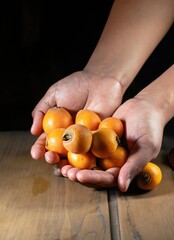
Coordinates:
(37, 205)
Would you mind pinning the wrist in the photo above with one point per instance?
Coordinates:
(160, 94)
(119, 73)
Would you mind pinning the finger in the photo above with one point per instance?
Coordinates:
(65, 170)
(38, 149)
(57, 167)
(52, 157)
(36, 127)
(57, 170)
(72, 174)
(39, 111)
(98, 177)
(104, 102)
(137, 159)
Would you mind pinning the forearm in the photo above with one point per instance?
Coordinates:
(133, 30)
(160, 94)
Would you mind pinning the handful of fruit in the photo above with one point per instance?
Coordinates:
(87, 142)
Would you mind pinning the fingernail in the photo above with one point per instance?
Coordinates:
(128, 183)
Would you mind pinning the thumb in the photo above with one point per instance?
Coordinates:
(105, 100)
(36, 127)
(137, 159)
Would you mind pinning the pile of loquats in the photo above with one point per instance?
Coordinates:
(85, 141)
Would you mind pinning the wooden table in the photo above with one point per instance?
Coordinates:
(37, 205)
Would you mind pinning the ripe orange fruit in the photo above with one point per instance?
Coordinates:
(56, 117)
(54, 142)
(116, 159)
(77, 138)
(149, 177)
(113, 123)
(104, 142)
(63, 162)
(82, 161)
(88, 118)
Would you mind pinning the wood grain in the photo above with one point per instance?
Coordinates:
(35, 204)
(149, 215)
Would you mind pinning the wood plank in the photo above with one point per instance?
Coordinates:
(149, 215)
(35, 204)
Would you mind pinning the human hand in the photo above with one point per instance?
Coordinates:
(77, 91)
(143, 133)
(144, 127)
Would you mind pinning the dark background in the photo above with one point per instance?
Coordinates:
(43, 41)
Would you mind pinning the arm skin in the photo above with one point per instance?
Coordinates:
(133, 30)
(160, 93)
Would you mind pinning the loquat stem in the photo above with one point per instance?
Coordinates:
(118, 140)
(145, 178)
(67, 137)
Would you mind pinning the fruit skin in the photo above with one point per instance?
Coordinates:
(149, 177)
(116, 159)
(54, 142)
(82, 161)
(77, 138)
(88, 118)
(56, 117)
(63, 162)
(104, 142)
(113, 123)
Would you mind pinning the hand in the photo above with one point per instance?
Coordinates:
(92, 178)
(77, 91)
(143, 131)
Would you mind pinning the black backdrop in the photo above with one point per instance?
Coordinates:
(43, 41)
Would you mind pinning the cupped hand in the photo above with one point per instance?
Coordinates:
(92, 178)
(76, 91)
(143, 132)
